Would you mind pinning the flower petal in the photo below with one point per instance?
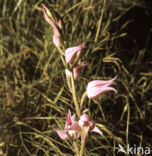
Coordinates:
(100, 83)
(75, 126)
(61, 133)
(98, 87)
(95, 92)
(56, 40)
(77, 70)
(67, 73)
(70, 53)
(46, 13)
(68, 120)
(97, 130)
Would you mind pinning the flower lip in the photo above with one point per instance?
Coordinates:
(85, 117)
(71, 129)
(87, 125)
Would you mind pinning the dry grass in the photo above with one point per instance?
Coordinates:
(33, 91)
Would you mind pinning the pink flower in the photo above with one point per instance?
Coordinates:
(56, 35)
(98, 87)
(47, 15)
(87, 125)
(52, 15)
(70, 53)
(77, 70)
(56, 39)
(67, 73)
(71, 129)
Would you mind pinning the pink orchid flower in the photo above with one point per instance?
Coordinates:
(56, 39)
(67, 73)
(70, 53)
(97, 87)
(71, 129)
(87, 125)
(56, 35)
(49, 15)
(77, 70)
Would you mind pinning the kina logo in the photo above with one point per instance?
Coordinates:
(134, 150)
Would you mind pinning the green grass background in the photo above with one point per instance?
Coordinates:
(33, 90)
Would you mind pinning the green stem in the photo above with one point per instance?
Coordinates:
(82, 145)
(75, 145)
(64, 63)
(127, 128)
(77, 107)
(60, 51)
(62, 55)
(75, 97)
(84, 95)
(72, 83)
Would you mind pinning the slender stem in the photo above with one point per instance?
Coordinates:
(100, 21)
(77, 106)
(84, 95)
(82, 145)
(72, 83)
(65, 65)
(75, 97)
(60, 51)
(62, 55)
(127, 128)
(75, 145)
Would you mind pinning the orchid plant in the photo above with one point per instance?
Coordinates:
(84, 125)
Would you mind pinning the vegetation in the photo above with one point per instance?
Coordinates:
(33, 89)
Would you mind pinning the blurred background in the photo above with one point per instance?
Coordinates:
(33, 89)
